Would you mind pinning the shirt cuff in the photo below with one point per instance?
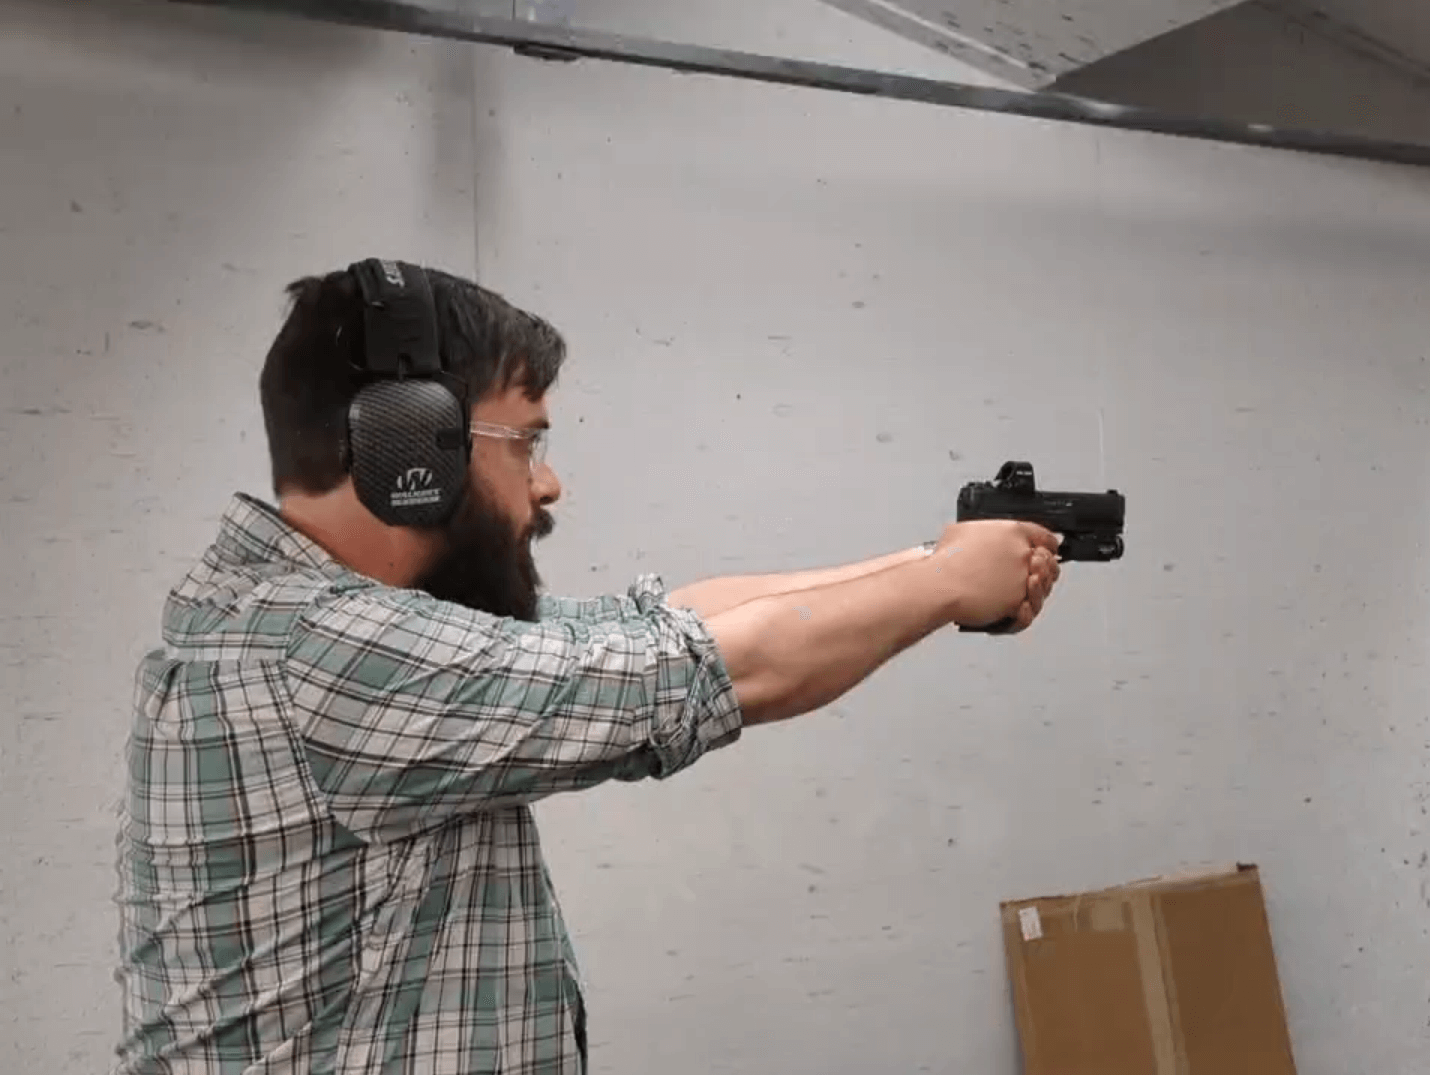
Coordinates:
(696, 708)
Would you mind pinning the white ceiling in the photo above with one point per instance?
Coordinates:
(1033, 43)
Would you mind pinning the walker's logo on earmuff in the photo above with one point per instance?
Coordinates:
(413, 488)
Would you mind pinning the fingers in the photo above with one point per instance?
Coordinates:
(1043, 574)
(1026, 615)
(1044, 562)
(1055, 569)
(1041, 538)
(1043, 571)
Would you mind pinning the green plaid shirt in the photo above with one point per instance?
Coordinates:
(328, 863)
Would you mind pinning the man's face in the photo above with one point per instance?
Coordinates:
(487, 563)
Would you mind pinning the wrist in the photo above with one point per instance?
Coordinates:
(943, 581)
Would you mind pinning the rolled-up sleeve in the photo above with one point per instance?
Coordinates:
(413, 710)
(603, 609)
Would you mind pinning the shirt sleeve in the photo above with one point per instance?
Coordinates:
(414, 710)
(595, 610)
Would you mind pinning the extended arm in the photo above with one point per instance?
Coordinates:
(710, 597)
(792, 653)
(412, 710)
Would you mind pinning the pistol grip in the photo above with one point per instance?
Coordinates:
(1002, 627)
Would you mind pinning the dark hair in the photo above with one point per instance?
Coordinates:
(310, 375)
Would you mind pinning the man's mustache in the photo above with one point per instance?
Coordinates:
(541, 525)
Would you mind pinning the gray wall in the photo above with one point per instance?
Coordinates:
(162, 176)
(798, 323)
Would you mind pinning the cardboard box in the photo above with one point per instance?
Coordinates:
(1169, 976)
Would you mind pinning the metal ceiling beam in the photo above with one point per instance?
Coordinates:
(570, 43)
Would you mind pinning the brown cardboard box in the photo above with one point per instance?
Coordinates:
(1169, 976)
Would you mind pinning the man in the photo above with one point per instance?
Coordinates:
(328, 860)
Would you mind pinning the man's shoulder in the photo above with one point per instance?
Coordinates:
(225, 603)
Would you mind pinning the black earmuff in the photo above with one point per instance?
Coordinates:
(409, 440)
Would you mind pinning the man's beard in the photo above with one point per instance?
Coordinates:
(487, 564)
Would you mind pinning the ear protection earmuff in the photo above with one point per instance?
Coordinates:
(409, 440)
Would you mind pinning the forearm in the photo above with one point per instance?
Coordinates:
(710, 597)
(791, 653)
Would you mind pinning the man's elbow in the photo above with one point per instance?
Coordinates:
(763, 691)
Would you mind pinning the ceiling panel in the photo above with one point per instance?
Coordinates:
(1031, 43)
(1396, 31)
(1404, 24)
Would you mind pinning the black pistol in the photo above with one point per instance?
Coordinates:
(1090, 523)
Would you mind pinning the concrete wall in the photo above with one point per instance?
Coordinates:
(163, 175)
(799, 323)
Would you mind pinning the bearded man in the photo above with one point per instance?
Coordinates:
(327, 856)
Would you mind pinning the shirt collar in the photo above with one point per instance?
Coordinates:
(253, 531)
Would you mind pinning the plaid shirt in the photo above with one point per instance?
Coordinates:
(328, 863)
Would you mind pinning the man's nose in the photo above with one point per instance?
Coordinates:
(546, 486)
